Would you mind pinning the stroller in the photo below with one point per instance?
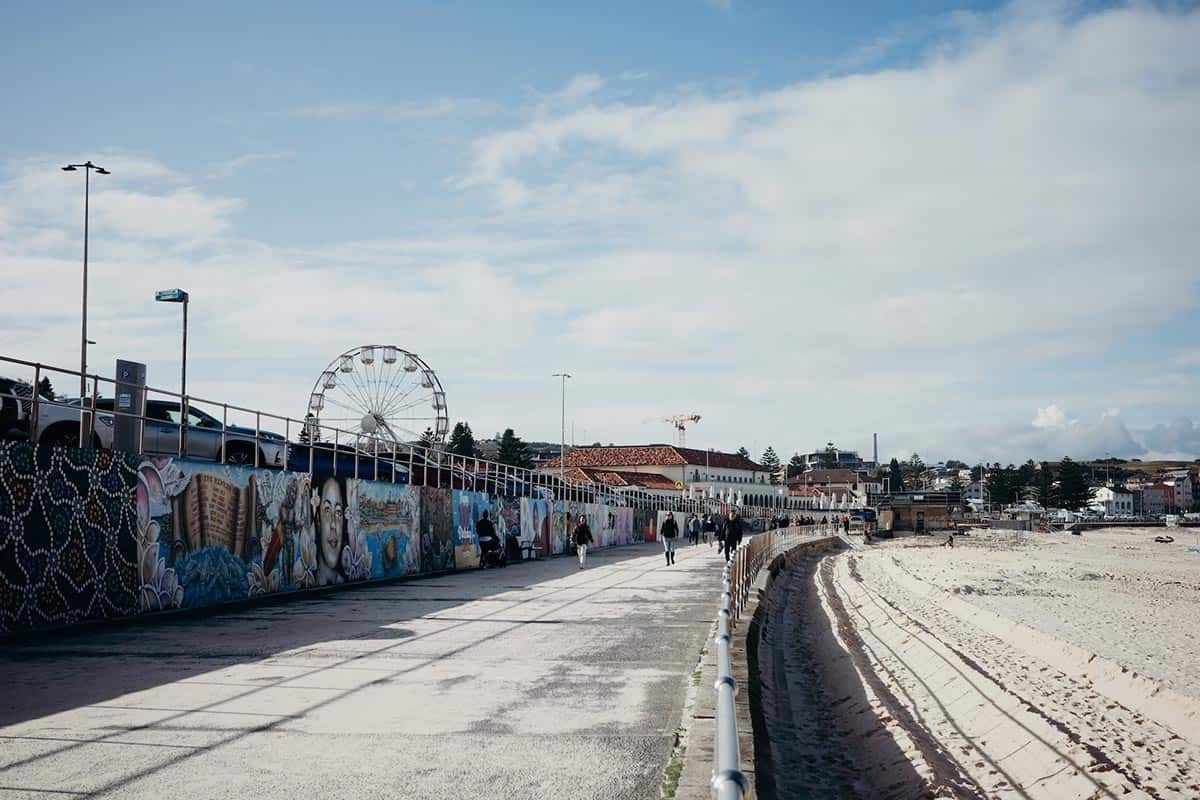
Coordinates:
(491, 552)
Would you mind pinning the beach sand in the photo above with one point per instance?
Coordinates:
(1029, 665)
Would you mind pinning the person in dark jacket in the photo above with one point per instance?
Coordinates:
(489, 542)
(710, 530)
(733, 534)
(581, 537)
(669, 531)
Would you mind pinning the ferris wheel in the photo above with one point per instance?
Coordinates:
(383, 394)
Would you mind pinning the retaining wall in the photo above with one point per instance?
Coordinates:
(96, 534)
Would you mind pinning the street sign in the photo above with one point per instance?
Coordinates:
(170, 296)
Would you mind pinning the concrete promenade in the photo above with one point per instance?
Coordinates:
(539, 680)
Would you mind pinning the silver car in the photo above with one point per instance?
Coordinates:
(59, 424)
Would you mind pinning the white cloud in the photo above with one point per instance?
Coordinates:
(1051, 417)
(815, 261)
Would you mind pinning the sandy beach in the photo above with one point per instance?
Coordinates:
(1027, 665)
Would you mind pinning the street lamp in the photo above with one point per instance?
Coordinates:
(178, 296)
(87, 167)
(562, 446)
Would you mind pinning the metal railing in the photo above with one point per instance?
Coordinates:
(728, 781)
(236, 434)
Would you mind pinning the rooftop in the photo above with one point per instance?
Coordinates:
(653, 456)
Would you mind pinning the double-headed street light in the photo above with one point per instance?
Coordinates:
(87, 168)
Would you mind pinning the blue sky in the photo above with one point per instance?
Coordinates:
(945, 222)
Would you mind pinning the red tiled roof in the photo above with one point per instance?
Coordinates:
(654, 455)
(643, 480)
(820, 477)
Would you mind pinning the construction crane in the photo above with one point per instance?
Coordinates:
(680, 421)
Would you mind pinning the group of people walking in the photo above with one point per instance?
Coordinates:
(725, 530)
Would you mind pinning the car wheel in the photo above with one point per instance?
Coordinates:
(61, 436)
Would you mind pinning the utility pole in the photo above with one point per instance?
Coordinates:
(562, 451)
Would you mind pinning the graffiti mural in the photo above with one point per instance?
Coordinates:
(468, 509)
(535, 522)
(388, 517)
(94, 534)
(437, 530)
(68, 550)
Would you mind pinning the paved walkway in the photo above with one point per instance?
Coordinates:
(539, 680)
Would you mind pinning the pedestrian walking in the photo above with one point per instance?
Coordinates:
(581, 537)
(668, 531)
(733, 534)
(694, 530)
(710, 530)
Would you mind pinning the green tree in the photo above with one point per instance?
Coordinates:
(462, 441)
(513, 451)
(45, 389)
(795, 466)
(1044, 484)
(428, 439)
(956, 485)
(895, 476)
(743, 452)
(771, 461)
(913, 469)
(1073, 493)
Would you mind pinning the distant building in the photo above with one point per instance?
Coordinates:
(1112, 502)
(1180, 497)
(919, 512)
(832, 457)
(1154, 500)
(691, 468)
(836, 485)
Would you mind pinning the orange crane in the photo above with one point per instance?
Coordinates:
(680, 422)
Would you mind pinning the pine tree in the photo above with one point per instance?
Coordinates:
(1046, 493)
(428, 439)
(771, 461)
(1073, 493)
(896, 477)
(795, 466)
(744, 453)
(513, 451)
(462, 441)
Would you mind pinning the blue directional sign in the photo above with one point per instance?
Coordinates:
(171, 296)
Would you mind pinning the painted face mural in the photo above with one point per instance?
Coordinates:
(331, 520)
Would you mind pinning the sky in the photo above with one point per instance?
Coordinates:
(969, 227)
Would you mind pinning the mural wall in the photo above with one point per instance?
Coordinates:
(87, 535)
(68, 551)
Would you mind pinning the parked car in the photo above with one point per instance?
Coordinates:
(58, 423)
(14, 408)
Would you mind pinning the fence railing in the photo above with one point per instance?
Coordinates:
(729, 782)
(200, 428)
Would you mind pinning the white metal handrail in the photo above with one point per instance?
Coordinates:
(410, 463)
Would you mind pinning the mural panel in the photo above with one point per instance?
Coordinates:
(468, 508)
(68, 546)
(535, 522)
(388, 516)
(437, 529)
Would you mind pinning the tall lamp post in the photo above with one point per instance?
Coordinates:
(87, 167)
(562, 450)
(178, 296)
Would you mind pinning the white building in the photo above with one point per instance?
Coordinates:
(1112, 502)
